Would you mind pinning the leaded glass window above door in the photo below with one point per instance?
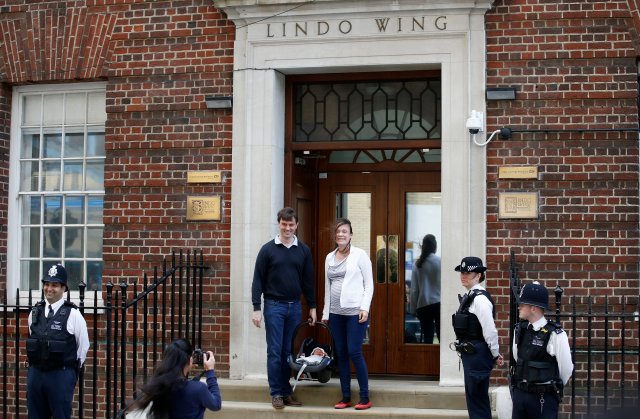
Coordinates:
(392, 110)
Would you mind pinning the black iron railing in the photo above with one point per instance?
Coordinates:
(604, 335)
(128, 331)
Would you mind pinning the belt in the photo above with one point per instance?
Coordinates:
(535, 388)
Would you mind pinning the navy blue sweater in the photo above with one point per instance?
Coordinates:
(283, 274)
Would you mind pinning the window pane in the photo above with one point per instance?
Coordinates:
(31, 210)
(94, 211)
(52, 145)
(29, 176)
(30, 147)
(74, 144)
(73, 241)
(96, 111)
(52, 209)
(94, 276)
(75, 273)
(30, 274)
(52, 242)
(95, 144)
(95, 176)
(94, 242)
(31, 242)
(75, 108)
(74, 210)
(52, 110)
(73, 176)
(32, 106)
(51, 175)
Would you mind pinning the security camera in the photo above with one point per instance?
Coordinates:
(475, 124)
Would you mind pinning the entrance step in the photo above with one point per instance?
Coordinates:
(391, 398)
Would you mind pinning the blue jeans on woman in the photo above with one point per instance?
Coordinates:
(348, 336)
(280, 321)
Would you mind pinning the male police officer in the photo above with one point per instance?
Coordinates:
(477, 337)
(56, 349)
(543, 358)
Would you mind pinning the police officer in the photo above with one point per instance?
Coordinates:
(56, 349)
(477, 337)
(543, 358)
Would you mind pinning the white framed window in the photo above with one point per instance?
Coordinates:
(56, 184)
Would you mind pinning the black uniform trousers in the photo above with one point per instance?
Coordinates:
(527, 405)
(477, 371)
(50, 393)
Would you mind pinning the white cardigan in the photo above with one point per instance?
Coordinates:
(357, 286)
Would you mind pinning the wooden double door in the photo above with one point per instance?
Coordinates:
(390, 213)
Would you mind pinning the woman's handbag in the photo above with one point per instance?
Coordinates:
(140, 413)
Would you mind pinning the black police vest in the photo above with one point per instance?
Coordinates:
(50, 345)
(466, 325)
(534, 364)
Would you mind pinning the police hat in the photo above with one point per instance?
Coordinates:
(56, 273)
(471, 264)
(534, 294)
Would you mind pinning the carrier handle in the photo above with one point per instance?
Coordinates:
(295, 335)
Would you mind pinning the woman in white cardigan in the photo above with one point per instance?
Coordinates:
(348, 289)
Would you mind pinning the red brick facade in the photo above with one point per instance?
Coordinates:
(575, 117)
(160, 59)
(574, 66)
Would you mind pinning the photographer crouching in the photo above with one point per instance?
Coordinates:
(170, 394)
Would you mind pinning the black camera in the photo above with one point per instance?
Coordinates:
(199, 356)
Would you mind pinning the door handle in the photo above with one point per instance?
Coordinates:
(381, 259)
(387, 259)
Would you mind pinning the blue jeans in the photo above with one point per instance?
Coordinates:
(348, 336)
(280, 320)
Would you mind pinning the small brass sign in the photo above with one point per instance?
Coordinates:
(518, 205)
(204, 177)
(203, 208)
(518, 172)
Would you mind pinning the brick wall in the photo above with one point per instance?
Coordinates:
(574, 66)
(160, 59)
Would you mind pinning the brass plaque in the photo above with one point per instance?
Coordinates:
(204, 177)
(204, 208)
(518, 205)
(518, 172)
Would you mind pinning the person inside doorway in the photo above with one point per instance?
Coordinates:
(425, 290)
(348, 291)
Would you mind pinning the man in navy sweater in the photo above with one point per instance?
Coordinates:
(284, 271)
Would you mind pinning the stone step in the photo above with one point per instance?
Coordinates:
(255, 410)
(420, 394)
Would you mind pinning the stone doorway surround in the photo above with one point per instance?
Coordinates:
(275, 38)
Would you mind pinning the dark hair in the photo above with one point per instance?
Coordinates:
(168, 376)
(343, 221)
(287, 214)
(429, 245)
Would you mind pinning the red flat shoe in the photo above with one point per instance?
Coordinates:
(342, 405)
(363, 406)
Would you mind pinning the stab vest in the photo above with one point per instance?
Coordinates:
(466, 325)
(50, 345)
(534, 364)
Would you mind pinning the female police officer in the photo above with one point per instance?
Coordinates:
(477, 336)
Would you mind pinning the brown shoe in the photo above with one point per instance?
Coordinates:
(277, 402)
(291, 401)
